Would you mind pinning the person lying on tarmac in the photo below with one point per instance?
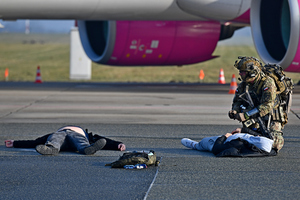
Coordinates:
(233, 144)
(68, 138)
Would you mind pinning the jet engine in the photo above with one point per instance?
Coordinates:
(144, 43)
(275, 30)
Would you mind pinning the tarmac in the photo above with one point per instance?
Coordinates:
(144, 116)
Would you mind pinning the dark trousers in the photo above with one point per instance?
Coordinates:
(68, 140)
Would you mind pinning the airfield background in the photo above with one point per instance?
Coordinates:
(48, 46)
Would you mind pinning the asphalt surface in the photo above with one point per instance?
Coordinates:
(144, 117)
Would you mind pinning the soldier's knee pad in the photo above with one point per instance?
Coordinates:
(278, 140)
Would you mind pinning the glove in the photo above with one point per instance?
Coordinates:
(232, 113)
(240, 117)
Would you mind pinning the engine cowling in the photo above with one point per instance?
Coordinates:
(144, 43)
(275, 30)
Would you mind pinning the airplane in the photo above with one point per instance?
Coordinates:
(171, 32)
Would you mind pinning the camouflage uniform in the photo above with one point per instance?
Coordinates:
(263, 93)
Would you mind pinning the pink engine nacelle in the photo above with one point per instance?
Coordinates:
(144, 43)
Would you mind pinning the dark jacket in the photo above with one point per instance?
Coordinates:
(110, 144)
(238, 148)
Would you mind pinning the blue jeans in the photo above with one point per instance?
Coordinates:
(206, 144)
(68, 140)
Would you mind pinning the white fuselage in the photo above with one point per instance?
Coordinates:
(220, 10)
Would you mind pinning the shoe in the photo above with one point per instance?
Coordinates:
(189, 143)
(98, 145)
(46, 150)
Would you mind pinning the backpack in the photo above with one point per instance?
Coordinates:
(135, 157)
(284, 86)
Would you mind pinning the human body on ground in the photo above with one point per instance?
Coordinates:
(68, 138)
(233, 144)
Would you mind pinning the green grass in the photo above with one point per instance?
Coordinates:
(21, 54)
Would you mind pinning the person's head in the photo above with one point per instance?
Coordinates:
(249, 68)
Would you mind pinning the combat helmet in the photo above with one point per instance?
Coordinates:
(250, 65)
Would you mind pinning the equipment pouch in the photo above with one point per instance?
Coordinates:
(249, 122)
(281, 114)
(275, 115)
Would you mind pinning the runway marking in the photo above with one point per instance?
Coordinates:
(152, 180)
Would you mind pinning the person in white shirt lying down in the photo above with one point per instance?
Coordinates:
(233, 144)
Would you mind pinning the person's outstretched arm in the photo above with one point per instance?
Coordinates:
(26, 143)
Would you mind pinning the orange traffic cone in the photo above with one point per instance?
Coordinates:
(6, 74)
(38, 78)
(201, 75)
(233, 85)
(221, 77)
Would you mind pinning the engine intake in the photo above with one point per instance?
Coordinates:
(275, 30)
(144, 43)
